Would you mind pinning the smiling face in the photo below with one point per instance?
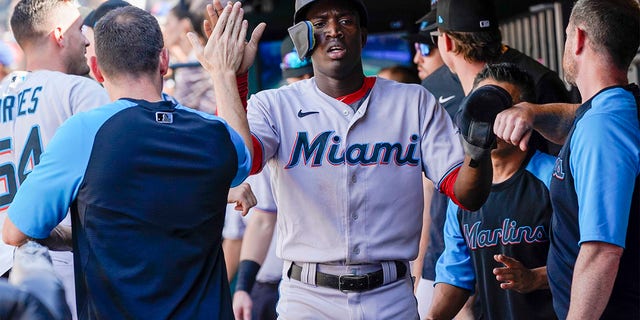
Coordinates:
(339, 39)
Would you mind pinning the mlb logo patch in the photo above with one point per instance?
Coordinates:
(164, 117)
(485, 24)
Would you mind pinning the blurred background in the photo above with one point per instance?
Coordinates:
(535, 27)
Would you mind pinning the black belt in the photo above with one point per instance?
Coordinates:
(349, 282)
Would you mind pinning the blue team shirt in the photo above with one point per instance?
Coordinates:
(147, 185)
(595, 194)
(513, 221)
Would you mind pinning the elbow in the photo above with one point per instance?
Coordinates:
(11, 235)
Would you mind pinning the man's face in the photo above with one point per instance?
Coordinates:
(73, 39)
(426, 62)
(339, 39)
(172, 30)
(568, 60)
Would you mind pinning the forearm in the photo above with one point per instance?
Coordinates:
(257, 236)
(60, 239)
(11, 235)
(473, 184)
(447, 301)
(230, 106)
(428, 189)
(593, 278)
(553, 121)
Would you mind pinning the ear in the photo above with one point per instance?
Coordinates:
(164, 61)
(581, 40)
(363, 34)
(58, 36)
(93, 64)
(448, 42)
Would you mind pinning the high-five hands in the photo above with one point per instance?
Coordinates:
(226, 48)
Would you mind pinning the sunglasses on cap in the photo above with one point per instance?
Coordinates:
(424, 48)
(292, 61)
(434, 35)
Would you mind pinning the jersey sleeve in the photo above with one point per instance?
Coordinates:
(244, 157)
(454, 266)
(43, 199)
(262, 126)
(86, 94)
(261, 186)
(604, 161)
(441, 151)
(541, 165)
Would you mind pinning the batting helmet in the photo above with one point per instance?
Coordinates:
(302, 6)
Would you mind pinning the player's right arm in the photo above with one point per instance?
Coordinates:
(455, 277)
(223, 56)
(42, 201)
(553, 121)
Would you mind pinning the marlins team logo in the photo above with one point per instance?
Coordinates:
(328, 146)
(557, 169)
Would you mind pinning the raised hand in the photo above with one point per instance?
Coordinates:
(225, 46)
(214, 12)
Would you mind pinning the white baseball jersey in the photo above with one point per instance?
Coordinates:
(33, 105)
(348, 184)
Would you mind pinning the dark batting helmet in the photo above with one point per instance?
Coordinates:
(302, 6)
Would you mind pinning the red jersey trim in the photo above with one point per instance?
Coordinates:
(355, 96)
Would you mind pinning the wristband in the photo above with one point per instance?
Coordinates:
(246, 277)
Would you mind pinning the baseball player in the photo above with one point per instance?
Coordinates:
(347, 154)
(260, 270)
(512, 227)
(594, 255)
(38, 101)
(147, 183)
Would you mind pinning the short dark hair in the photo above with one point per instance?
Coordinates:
(481, 46)
(28, 21)
(128, 40)
(613, 26)
(510, 73)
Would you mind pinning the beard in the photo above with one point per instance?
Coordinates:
(569, 67)
(78, 65)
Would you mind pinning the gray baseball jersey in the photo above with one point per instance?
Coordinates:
(34, 105)
(348, 184)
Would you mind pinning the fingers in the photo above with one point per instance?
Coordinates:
(524, 143)
(257, 34)
(247, 311)
(197, 46)
(507, 261)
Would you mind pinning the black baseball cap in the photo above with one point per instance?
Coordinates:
(92, 18)
(302, 6)
(291, 65)
(466, 15)
(426, 24)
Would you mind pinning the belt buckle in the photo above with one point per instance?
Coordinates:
(348, 282)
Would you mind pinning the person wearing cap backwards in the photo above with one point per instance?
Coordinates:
(347, 154)
(260, 269)
(512, 227)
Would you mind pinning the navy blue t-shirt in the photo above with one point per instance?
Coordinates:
(147, 185)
